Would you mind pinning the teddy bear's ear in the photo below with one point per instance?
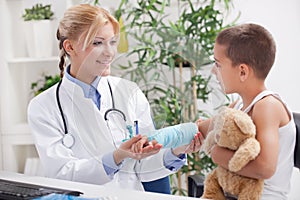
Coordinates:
(244, 122)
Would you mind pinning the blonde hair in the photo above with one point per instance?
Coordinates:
(82, 21)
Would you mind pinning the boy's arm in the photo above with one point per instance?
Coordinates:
(204, 126)
(268, 115)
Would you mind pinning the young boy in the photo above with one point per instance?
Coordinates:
(244, 55)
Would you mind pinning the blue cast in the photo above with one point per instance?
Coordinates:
(175, 136)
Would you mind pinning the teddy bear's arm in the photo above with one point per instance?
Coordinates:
(246, 152)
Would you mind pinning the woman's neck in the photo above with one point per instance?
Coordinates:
(81, 75)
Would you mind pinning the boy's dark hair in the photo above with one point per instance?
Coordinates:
(250, 44)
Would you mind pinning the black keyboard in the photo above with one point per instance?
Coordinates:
(11, 190)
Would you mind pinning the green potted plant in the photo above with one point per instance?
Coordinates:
(163, 46)
(39, 31)
(45, 82)
(38, 12)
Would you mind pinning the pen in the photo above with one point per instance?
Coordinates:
(136, 125)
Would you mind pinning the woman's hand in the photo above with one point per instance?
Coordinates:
(145, 148)
(137, 148)
(194, 146)
(143, 145)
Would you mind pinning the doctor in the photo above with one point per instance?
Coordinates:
(83, 126)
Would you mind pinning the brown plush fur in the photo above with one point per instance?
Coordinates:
(235, 130)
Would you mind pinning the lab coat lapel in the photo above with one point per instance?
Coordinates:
(89, 124)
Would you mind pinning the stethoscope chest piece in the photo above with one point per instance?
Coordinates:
(68, 140)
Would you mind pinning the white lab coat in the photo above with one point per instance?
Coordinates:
(83, 161)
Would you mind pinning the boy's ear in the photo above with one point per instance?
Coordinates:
(244, 72)
(68, 46)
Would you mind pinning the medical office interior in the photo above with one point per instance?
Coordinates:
(18, 68)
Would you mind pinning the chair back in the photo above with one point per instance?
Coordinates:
(297, 146)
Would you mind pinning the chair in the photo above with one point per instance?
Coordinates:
(195, 185)
(297, 146)
(196, 182)
(159, 186)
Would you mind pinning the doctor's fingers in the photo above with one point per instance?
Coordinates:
(150, 148)
(153, 147)
(138, 146)
(198, 141)
(149, 152)
(195, 145)
(128, 144)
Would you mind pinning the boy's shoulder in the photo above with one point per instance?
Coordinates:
(270, 101)
(271, 109)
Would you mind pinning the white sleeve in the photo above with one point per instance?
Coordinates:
(59, 161)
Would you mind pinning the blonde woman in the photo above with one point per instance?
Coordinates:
(83, 126)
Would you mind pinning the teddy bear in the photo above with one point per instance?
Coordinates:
(235, 130)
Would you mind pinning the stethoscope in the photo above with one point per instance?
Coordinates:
(68, 139)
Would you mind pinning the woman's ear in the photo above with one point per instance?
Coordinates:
(68, 46)
(244, 72)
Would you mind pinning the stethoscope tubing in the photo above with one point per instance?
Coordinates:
(105, 115)
(60, 108)
(113, 104)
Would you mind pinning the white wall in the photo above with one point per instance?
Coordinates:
(282, 19)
